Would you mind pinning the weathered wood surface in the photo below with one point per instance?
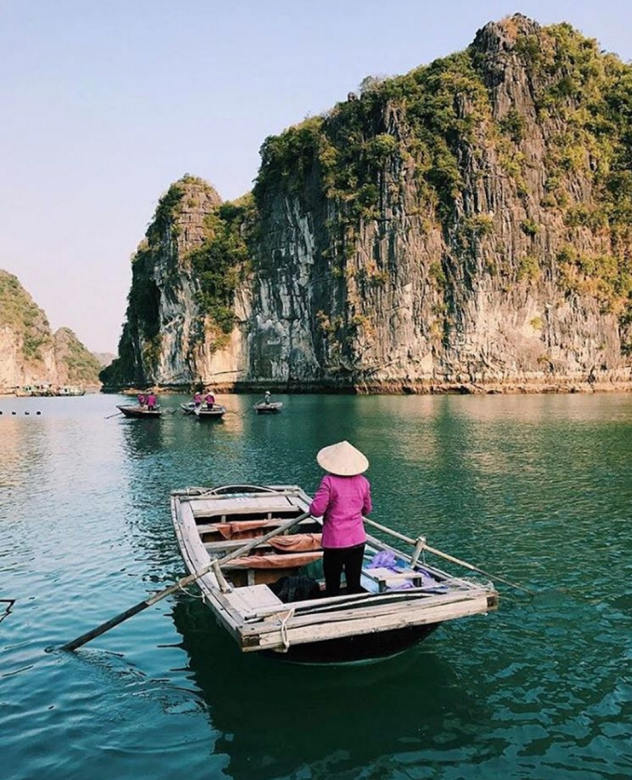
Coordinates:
(241, 505)
(259, 620)
(347, 625)
(254, 597)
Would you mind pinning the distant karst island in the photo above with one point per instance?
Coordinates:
(465, 227)
(31, 354)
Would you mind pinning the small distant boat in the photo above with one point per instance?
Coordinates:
(214, 412)
(44, 390)
(139, 411)
(70, 390)
(273, 407)
(41, 390)
(261, 558)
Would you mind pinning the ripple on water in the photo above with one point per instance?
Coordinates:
(536, 489)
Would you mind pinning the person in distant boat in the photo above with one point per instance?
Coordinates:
(141, 399)
(342, 498)
(151, 402)
(197, 400)
(267, 398)
(210, 400)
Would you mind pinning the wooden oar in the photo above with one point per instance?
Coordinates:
(113, 415)
(447, 557)
(142, 605)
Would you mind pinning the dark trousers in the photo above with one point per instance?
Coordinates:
(335, 559)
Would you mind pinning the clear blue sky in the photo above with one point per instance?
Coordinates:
(103, 103)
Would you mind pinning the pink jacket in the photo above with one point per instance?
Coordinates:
(342, 501)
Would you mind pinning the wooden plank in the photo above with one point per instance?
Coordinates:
(346, 628)
(242, 504)
(222, 547)
(385, 577)
(368, 612)
(209, 528)
(286, 560)
(253, 597)
(335, 602)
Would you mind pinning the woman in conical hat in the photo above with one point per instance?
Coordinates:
(343, 496)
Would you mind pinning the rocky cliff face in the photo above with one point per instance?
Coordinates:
(30, 353)
(465, 223)
(170, 337)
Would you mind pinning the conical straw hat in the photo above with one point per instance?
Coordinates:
(342, 459)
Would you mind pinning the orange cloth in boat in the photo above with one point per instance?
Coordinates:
(283, 561)
(296, 542)
(243, 529)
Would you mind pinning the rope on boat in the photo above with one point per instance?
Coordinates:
(189, 594)
(284, 635)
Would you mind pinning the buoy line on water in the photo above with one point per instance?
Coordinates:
(14, 412)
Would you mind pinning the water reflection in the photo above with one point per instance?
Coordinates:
(24, 453)
(536, 488)
(142, 437)
(274, 718)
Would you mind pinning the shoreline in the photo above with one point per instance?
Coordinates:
(561, 386)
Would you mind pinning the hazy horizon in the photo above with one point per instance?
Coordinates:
(106, 105)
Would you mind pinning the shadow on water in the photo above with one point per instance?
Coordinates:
(142, 437)
(274, 718)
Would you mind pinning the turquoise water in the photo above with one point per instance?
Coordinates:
(535, 488)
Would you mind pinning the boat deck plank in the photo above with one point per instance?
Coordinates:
(253, 597)
(242, 504)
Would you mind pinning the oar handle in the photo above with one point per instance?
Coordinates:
(476, 569)
(447, 557)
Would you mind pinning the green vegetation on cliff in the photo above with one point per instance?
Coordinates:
(438, 117)
(348, 148)
(191, 228)
(19, 312)
(511, 159)
(420, 119)
(588, 94)
(142, 323)
(82, 366)
(31, 330)
(222, 262)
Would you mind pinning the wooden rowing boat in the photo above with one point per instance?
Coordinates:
(404, 601)
(214, 412)
(188, 408)
(271, 408)
(139, 411)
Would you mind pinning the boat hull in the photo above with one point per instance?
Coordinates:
(134, 411)
(273, 408)
(356, 649)
(216, 413)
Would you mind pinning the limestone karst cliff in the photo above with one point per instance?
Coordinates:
(30, 353)
(184, 300)
(468, 222)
